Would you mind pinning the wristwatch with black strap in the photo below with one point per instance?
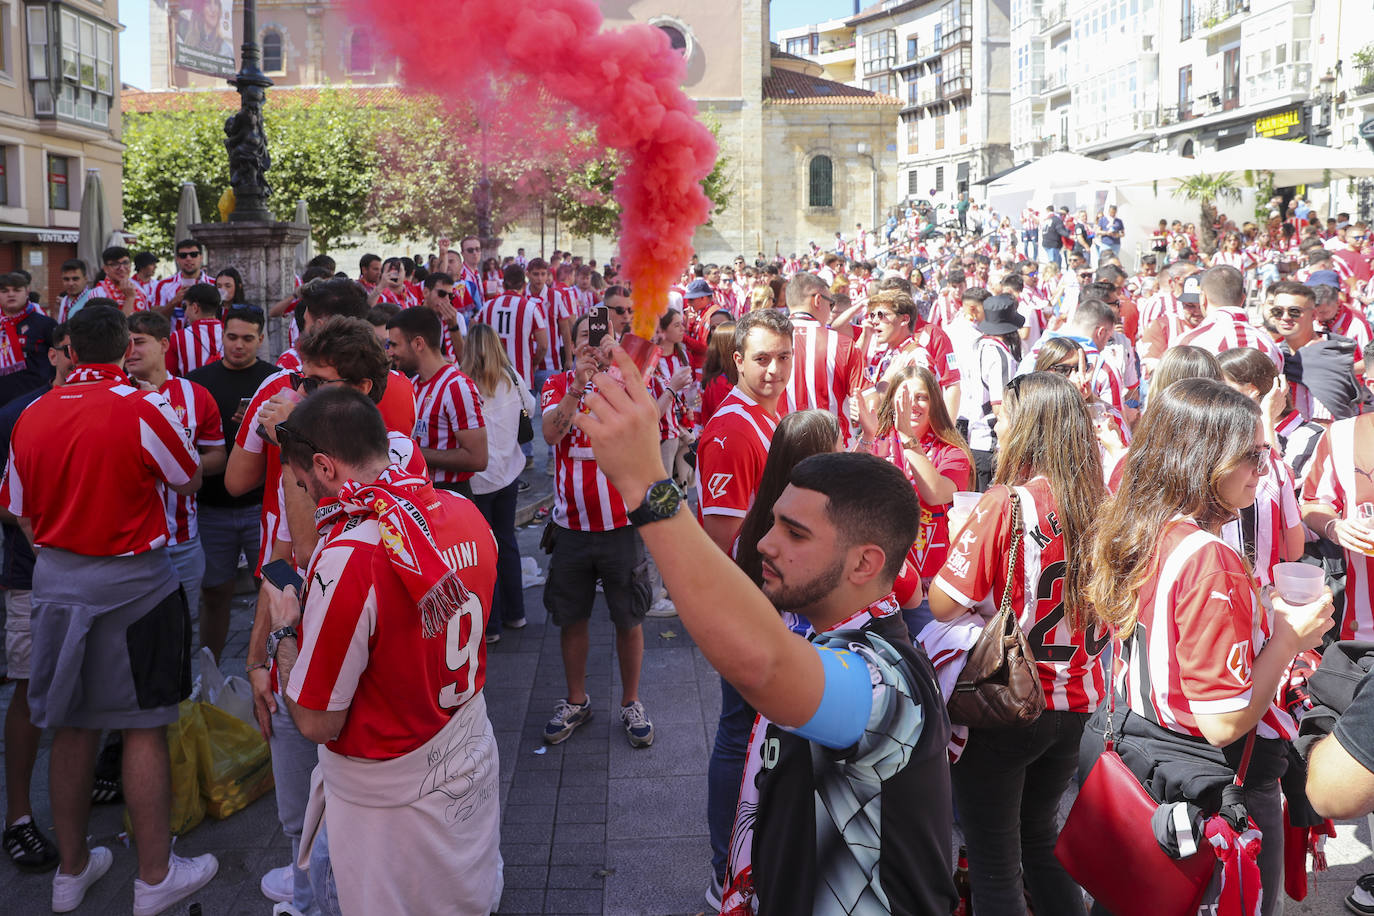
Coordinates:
(276, 636)
(662, 500)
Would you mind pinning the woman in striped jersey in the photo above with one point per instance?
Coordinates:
(1008, 782)
(1196, 671)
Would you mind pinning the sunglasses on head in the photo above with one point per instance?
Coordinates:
(309, 384)
(1293, 311)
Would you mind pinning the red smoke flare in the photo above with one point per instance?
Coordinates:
(626, 81)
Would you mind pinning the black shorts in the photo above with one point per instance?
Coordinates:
(580, 558)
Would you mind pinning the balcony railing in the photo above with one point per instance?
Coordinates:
(1364, 78)
(829, 47)
(961, 35)
(1209, 15)
(950, 87)
(1053, 16)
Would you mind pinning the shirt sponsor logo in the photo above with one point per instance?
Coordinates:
(718, 483)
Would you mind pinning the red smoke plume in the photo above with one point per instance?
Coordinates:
(627, 82)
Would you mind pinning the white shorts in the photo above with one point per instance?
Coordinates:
(18, 638)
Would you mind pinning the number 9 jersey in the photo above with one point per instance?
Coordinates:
(362, 647)
(976, 569)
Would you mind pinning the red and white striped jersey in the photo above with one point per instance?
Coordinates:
(1240, 260)
(1258, 532)
(1341, 475)
(677, 419)
(826, 368)
(928, 346)
(195, 407)
(976, 569)
(166, 290)
(195, 346)
(447, 404)
(110, 291)
(548, 310)
(1230, 328)
(1199, 630)
(515, 317)
(731, 454)
(362, 646)
(289, 360)
(1162, 303)
(1350, 323)
(583, 499)
(272, 519)
(947, 304)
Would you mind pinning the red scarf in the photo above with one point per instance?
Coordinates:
(12, 347)
(98, 372)
(394, 500)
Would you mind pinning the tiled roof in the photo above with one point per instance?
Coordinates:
(788, 87)
(134, 100)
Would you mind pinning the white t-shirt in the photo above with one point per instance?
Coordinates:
(505, 461)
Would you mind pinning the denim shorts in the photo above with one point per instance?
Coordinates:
(224, 535)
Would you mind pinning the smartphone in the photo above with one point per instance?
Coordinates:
(243, 409)
(283, 575)
(598, 325)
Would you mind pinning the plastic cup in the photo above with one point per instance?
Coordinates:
(960, 509)
(643, 353)
(1299, 583)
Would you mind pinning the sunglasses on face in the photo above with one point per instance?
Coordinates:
(443, 293)
(471, 250)
(286, 435)
(619, 309)
(1258, 458)
(1293, 311)
(309, 384)
(113, 264)
(188, 254)
(1064, 369)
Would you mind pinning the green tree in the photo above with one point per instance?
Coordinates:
(321, 151)
(1207, 190)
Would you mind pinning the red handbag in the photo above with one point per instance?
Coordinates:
(1108, 845)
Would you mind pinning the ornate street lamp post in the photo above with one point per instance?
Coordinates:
(244, 137)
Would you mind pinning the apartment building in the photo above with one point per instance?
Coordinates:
(59, 118)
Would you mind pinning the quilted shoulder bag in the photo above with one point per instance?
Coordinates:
(1000, 686)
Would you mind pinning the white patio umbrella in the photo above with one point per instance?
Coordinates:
(1143, 168)
(93, 231)
(188, 212)
(305, 250)
(1057, 170)
(1290, 163)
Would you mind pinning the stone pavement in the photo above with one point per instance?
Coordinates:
(590, 826)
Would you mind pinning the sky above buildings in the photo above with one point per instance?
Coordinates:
(133, 41)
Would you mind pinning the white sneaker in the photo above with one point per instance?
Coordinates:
(69, 890)
(664, 607)
(285, 909)
(184, 878)
(279, 884)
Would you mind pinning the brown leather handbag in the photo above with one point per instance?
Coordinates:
(1000, 686)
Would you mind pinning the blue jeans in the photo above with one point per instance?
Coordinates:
(1054, 255)
(293, 760)
(508, 600)
(725, 771)
(1007, 787)
(322, 884)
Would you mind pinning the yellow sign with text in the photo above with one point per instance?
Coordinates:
(1280, 124)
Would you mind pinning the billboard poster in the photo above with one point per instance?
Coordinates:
(204, 37)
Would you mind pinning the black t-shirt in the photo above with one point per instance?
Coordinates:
(36, 330)
(1355, 728)
(800, 869)
(228, 387)
(17, 570)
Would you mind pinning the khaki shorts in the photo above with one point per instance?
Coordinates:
(18, 637)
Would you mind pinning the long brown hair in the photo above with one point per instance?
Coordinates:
(1051, 435)
(940, 423)
(678, 349)
(1183, 362)
(799, 435)
(1199, 431)
(720, 355)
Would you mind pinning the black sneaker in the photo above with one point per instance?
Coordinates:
(1361, 899)
(29, 849)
